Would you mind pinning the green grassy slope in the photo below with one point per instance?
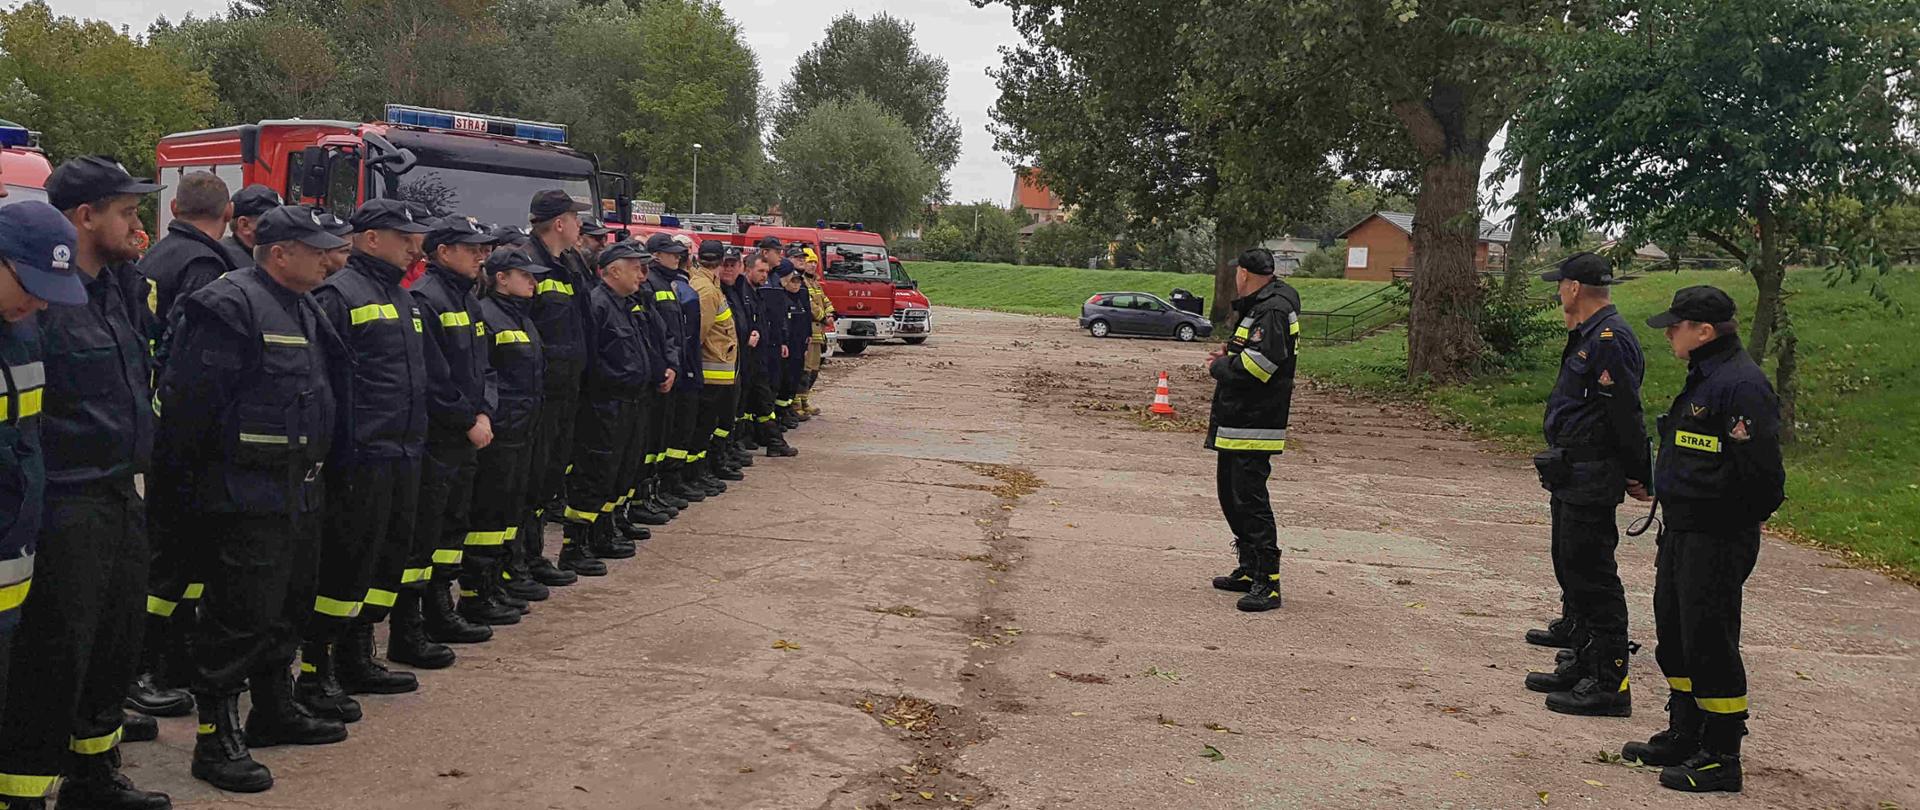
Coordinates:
(1061, 290)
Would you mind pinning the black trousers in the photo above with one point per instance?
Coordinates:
(365, 538)
(598, 478)
(261, 573)
(756, 404)
(1242, 482)
(78, 641)
(1697, 588)
(446, 493)
(1583, 543)
(639, 459)
(715, 420)
(500, 482)
(173, 527)
(552, 447)
(684, 419)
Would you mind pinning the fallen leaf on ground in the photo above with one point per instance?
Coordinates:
(1543, 798)
(452, 772)
(1463, 774)
(783, 644)
(745, 769)
(1417, 605)
(1079, 677)
(1077, 714)
(926, 794)
(1188, 780)
(1802, 675)
(1220, 728)
(1594, 782)
(1212, 753)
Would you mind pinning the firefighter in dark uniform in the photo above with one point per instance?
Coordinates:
(373, 480)
(560, 310)
(1596, 451)
(1252, 398)
(189, 257)
(634, 510)
(248, 205)
(793, 357)
(683, 480)
(665, 316)
(1718, 477)
(508, 283)
(771, 311)
(459, 423)
(620, 372)
(36, 269)
(78, 640)
(248, 419)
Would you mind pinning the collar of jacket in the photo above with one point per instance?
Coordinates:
(1711, 355)
(518, 306)
(1593, 321)
(190, 232)
(375, 268)
(1247, 301)
(460, 283)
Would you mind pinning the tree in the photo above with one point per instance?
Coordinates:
(944, 243)
(988, 233)
(1064, 244)
(1729, 120)
(852, 161)
(698, 83)
(91, 89)
(1349, 202)
(877, 58)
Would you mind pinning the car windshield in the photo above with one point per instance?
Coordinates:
(899, 274)
(487, 196)
(845, 260)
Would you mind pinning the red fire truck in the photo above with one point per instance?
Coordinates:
(482, 166)
(854, 274)
(23, 168)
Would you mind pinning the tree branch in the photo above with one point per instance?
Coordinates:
(1725, 244)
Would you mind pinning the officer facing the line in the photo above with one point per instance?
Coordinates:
(248, 205)
(1597, 453)
(1718, 477)
(1252, 399)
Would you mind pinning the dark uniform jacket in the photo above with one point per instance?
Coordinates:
(665, 309)
(1253, 393)
(248, 403)
(183, 261)
(1719, 464)
(383, 393)
(623, 366)
(776, 319)
(241, 255)
(746, 321)
(518, 359)
(23, 475)
(458, 374)
(689, 369)
(98, 418)
(1593, 415)
(560, 312)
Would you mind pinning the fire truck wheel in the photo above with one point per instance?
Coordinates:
(914, 341)
(851, 348)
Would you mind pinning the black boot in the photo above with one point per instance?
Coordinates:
(1567, 668)
(277, 720)
(626, 527)
(684, 487)
(537, 567)
(603, 541)
(665, 486)
(1603, 692)
(647, 510)
(137, 727)
(1557, 633)
(319, 686)
(95, 783)
(1677, 743)
(779, 448)
(516, 578)
(146, 694)
(1241, 579)
(478, 582)
(360, 674)
(574, 555)
(407, 641)
(441, 622)
(220, 755)
(1716, 766)
(1265, 594)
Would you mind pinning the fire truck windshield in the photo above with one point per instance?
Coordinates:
(487, 196)
(856, 261)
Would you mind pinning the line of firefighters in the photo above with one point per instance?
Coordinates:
(325, 445)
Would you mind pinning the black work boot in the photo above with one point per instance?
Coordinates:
(1265, 593)
(1557, 633)
(137, 727)
(543, 571)
(360, 674)
(648, 511)
(626, 526)
(1241, 578)
(1603, 691)
(664, 485)
(779, 448)
(478, 583)
(319, 686)
(1568, 669)
(705, 477)
(441, 622)
(96, 783)
(523, 586)
(574, 555)
(1679, 741)
(147, 694)
(603, 541)
(685, 488)
(276, 719)
(407, 641)
(1716, 766)
(220, 755)
(535, 565)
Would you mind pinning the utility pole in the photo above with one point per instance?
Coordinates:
(696, 178)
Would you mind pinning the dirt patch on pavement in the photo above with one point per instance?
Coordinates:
(929, 780)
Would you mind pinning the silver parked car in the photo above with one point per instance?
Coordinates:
(1138, 313)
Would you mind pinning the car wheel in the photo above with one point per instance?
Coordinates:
(914, 341)
(851, 348)
(1097, 329)
(1184, 333)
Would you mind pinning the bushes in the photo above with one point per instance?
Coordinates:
(1065, 244)
(1326, 262)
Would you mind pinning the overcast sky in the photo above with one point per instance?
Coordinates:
(779, 31)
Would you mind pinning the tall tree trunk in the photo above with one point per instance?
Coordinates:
(1226, 256)
(1768, 277)
(1785, 385)
(1443, 341)
(1526, 223)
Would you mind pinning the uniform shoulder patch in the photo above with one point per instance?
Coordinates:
(1582, 354)
(1697, 410)
(1259, 333)
(1739, 432)
(1606, 378)
(1606, 334)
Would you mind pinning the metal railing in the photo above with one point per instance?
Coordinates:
(1355, 319)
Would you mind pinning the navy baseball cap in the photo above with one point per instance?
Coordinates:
(1700, 304)
(712, 250)
(255, 200)
(92, 178)
(38, 240)
(386, 215)
(592, 227)
(503, 259)
(663, 242)
(623, 250)
(456, 230)
(296, 223)
(552, 203)
(1586, 268)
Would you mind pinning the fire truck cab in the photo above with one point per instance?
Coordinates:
(486, 167)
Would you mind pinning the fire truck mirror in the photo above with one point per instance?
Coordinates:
(313, 173)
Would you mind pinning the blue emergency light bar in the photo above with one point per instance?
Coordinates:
(425, 118)
(15, 137)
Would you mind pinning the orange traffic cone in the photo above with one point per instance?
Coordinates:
(1162, 404)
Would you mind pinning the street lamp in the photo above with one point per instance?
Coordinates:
(696, 178)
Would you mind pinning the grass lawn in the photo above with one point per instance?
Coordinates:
(1061, 290)
(1853, 479)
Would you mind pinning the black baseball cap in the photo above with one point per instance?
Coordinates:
(712, 250)
(508, 236)
(623, 250)
(503, 259)
(333, 224)
(296, 223)
(768, 242)
(733, 254)
(551, 203)
(1700, 304)
(1584, 267)
(386, 215)
(592, 227)
(662, 242)
(92, 178)
(455, 230)
(38, 240)
(255, 200)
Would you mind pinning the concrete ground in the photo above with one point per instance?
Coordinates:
(984, 584)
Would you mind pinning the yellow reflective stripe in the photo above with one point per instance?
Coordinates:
(456, 319)
(486, 538)
(94, 746)
(1293, 328)
(373, 312)
(13, 596)
(25, 786)
(584, 517)
(283, 340)
(1240, 333)
(262, 438)
(721, 433)
(412, 575)
(160, 607)
(204, 728)
(193, 591)
(1623, 684)
(664, 295)
(510, 336)
(380, 598)
(717, 371)
(553, 285)
(1680, 684)
(676, 453)
(512, 532)
(417, 327)
(1253, 366)
(1726, 705)
(449, 556)
(724, 316)
(1696, 441)
(29, 404)
(307, 669)
(1273, 445)
(334, 607)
